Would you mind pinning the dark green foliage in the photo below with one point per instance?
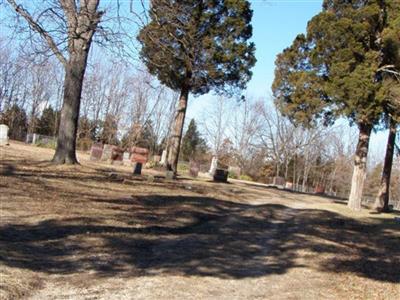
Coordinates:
(48, 123)
(16, 120)
(199, 45)
(334, 69)
(192, 143)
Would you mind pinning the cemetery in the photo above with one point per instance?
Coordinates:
(199, 150)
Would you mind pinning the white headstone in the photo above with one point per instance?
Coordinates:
(214, 165)
(163, 160)
(126, 156)
(3, 134)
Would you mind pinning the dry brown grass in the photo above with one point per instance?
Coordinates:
(83, 232)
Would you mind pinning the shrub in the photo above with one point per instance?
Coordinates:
(232, 175)
(245, 177)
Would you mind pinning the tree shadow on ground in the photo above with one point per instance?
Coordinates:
(202, 236)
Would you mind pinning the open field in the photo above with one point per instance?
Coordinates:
(83, 232)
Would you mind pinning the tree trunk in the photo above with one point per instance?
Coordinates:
(176, 134)
(382, 199)
(66, 141)
(360, 167)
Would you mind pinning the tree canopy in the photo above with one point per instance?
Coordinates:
(201, 44)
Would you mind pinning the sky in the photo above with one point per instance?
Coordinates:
(275, 25)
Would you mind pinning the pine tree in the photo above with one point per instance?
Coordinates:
(192, 143)
(47, 123)
(195, 47)
(15, 118)
(390, 73)
(333, 71)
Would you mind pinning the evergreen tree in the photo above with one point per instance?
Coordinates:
(197, 46)
(16, 120)
(334, 71)
(47, 124)
(192, 143)
(390, 73)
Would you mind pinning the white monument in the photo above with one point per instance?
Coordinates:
(163, 160)
(3, 134)
(214, 165)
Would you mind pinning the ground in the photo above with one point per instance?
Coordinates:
(95, 232)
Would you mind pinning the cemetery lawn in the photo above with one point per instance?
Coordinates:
(95, 232)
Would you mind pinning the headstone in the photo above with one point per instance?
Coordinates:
(107, 151)
(137, 168)
(139, 157)
(289, 185)
(3, 134)
(221, 175)
(163, 158)
(126, 158)
(139, 154)
(214, 165)
(169, 175)
(194, 168)
(96, 151)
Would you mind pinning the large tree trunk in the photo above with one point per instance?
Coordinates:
(66, 141)
(176, 134)
(382, 199)
(360, 167)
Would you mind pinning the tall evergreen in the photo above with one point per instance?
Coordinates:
(390, 74)
(16, 119)
(192, 143)
(195, 47)
(47, 124)
(334, 71)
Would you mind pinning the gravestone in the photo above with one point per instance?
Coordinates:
(214, 165)
(221, 175)
(126, 158)
(107, 151)
(163, 158)
(288, 185)
(3, 134)
(96, 151)
(139, 157)
(137, 168)
(194, 168)
(169, 175)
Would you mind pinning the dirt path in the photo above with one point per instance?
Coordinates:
(84, 233)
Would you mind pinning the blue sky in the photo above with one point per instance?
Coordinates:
(275, 25)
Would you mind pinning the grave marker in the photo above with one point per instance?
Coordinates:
(96, 151)
(3, 134)
(139, 157)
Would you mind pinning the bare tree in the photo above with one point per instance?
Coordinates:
(73, 22)
(215, 124)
